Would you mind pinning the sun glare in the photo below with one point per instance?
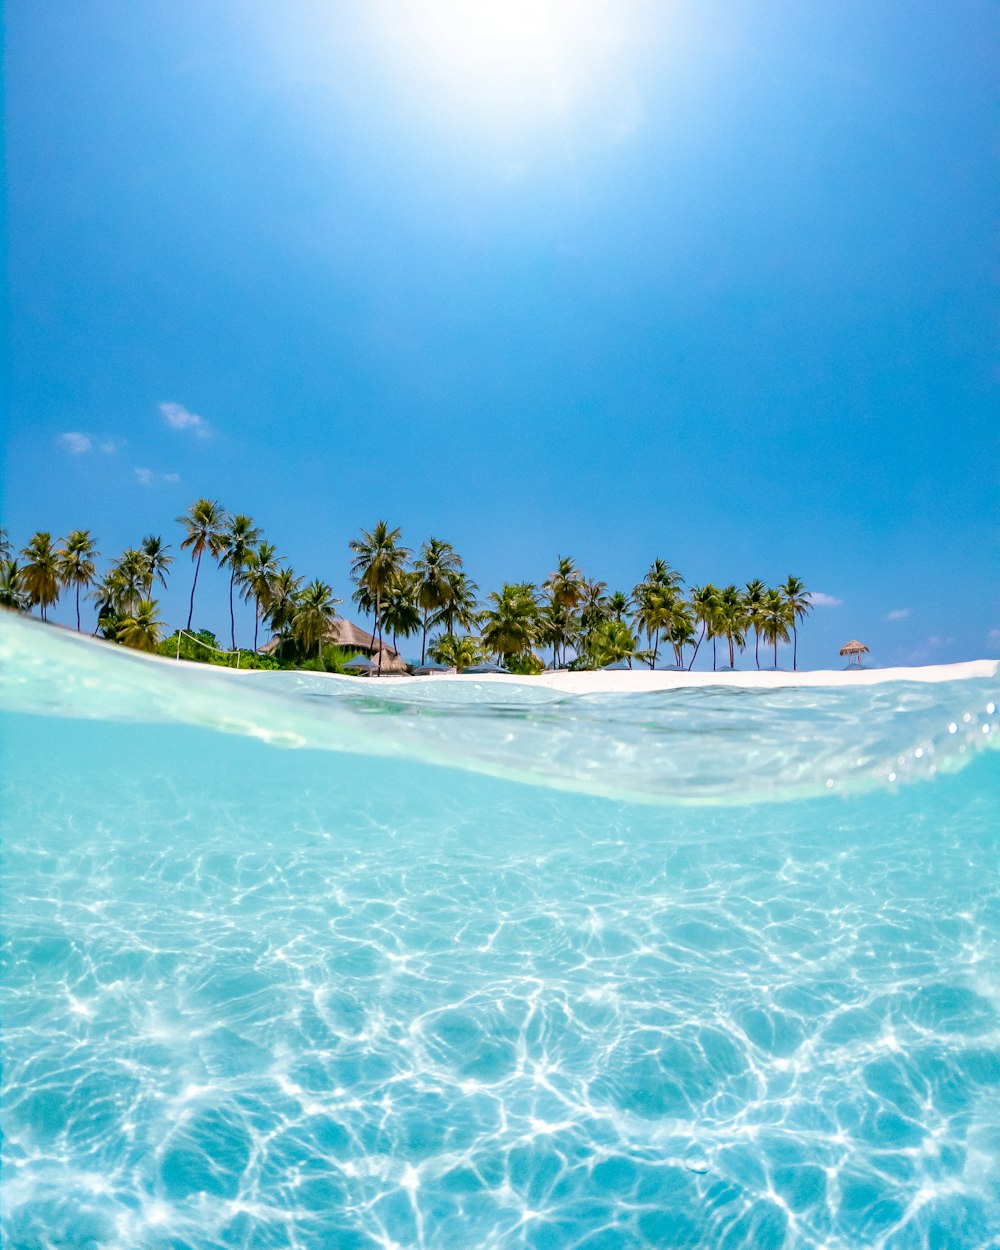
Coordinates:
(511, 56)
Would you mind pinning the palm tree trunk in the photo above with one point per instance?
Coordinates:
(197, 569)
(795, 647)
(714, 638)
(756, 645)
(775, 650)
(732, 656)
(78, 607)
(256, 621)
(696, 646)
(232, 618)
(378, 628)
(423, 642)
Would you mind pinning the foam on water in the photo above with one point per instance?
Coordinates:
(336, 997)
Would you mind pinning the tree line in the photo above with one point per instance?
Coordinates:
(425, 594)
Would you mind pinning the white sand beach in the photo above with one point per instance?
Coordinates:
(644, 680)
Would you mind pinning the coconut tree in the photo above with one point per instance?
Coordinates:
(39, 575)
(510, 621)
(559, 628)
(131, 580)
(205, 523)
(376, 568)
(753, 598)
(313, 613)
(564, 589)
(6, 550)
(462, 608)
(776, 617)
(731, 620)
(612, 641)
(456, 653)
(76, 563)
(141, 628)
(400, 614)
(704, 600)
(108, 593)
(800, 603)
(434, 571)
(239, 536)
(155, 550)
(655, 609)
(282, 603)
(11, 593)
(619, 604)
(681, 632)
(260, 568)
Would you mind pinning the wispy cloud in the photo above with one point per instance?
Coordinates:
(897, 614)
(146, 477)
(928, 649)
(78, 444)
(180, 418)
(820, 600)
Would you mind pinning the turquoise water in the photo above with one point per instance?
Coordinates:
(305, 963)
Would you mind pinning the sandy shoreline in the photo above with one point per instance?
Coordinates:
(645, 680)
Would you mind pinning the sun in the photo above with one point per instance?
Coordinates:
(513, 57)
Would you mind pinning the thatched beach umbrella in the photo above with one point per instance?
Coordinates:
(854, 648)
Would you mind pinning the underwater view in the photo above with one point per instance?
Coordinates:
(316, 962)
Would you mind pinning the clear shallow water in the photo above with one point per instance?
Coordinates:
(328, 998)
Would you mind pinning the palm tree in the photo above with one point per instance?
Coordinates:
(753, 598)
(257, 577)
(618, 605)
(141, 629)
(462, 608)
(238, 539)
(108, 594)
(681, 632)
(282, 603)
(39, 576)
(800, 602)
(400, 614)
(704, 600)
(132, 580)
(204, 522)
(612, 641)
(559, 629)
(654, 613)
(11, 593)
(6, 550)
(433, 570)
(456, 653)
(565, 589)
(155, 550)
(313, 614)
(76, 563)
(731, 620)
(776, 616)
(376, 568)
(510, 623)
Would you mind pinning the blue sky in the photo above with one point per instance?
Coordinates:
(709, 282)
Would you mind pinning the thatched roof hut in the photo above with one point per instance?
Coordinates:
(852, 649)
(352, 638)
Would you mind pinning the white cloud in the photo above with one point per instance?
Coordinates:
(898, 614)
(180, 418)
(820, 600)
(927, 650)
(146, 477)
(76, 444)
